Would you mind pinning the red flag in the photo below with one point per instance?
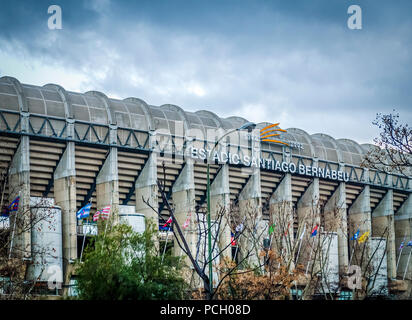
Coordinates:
(167, 222)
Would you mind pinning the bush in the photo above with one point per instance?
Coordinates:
(125, 265)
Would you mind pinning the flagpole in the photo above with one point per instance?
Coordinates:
(300, 243)
(84, 239)
(407, 265)
(310, 257)
(84, 234)
(164, 249)
(400, 253)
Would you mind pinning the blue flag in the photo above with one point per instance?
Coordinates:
(409, 243)
(14, 205)
(84, 212)
(355, 236)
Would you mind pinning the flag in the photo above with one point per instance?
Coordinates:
(355, 236)
(167, 222)
(84, 212)
(303, 232)
(161, 228)
(409, 243)
(239, 228)
(104, 215)
(186, 224)
(314, 231)
(232, 239)
(401, 246)
(272, 228)
(96, 215)
(14, 205)
(363, 237)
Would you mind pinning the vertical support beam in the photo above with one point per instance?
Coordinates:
(281, 214)
(184, 202)
(65, 197)
(19, 184)
(382, 218)
(403, 229)
(308, 212)
(360, 218)
(336, 221)
(220, 200)
(107, 186)
(250, 207)
(146, 188)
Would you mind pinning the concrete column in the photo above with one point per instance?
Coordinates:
(250, 208)
(360, 218)
(107, 187)
(281, 214)
(65, 197)
(19, 185)
(309, 215)
(146, 188)
(220, 204)
(383, 218)
(336, 221)
(403, 230)
(184, 202)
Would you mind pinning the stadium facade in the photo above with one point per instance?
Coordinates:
(74, 148)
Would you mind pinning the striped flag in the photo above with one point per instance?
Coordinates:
(102, 214)
(314, 231)
(409, 243)
(168, 221)
(232, 239)
(401, 246)
(84, 212)
(96, 215)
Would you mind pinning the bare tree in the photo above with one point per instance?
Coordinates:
(15, 267)
(394, 146)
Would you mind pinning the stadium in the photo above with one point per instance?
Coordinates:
(78, 148)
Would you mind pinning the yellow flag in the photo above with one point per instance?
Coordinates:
(363, 237)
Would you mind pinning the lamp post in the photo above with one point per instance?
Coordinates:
(249, 126)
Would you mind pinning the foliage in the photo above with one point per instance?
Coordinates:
(273, 283)
(125, 265)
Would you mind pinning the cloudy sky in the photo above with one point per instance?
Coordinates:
(293, 62)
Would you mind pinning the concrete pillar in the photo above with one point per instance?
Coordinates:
(65, 197)
(19, 185)
(360, 218)
(281, 214)
(184, 202)
(403, 231)
(107, 187)
(250, 208)
(336, 221)
(308, 212)
(220, 204)
(382, 219)
(146, 188)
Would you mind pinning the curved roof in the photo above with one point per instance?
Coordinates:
(96, 107)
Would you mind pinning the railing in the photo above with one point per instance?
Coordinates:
(55, 128)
